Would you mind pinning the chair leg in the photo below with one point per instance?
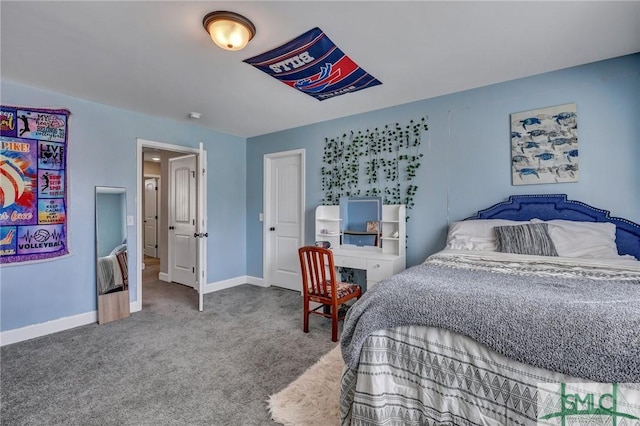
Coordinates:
(305, 321)
(334, 323)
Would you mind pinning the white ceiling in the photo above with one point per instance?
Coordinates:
(156, 58)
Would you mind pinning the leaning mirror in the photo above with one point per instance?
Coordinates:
(112, 277)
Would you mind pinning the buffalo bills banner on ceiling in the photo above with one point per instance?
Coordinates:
(314, 65)
(33, 184)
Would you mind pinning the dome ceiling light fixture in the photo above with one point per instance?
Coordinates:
(229, 30)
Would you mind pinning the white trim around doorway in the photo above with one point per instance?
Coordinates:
(140, 144)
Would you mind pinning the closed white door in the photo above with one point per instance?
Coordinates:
(182, 220)
(284, 218)
(151, 217)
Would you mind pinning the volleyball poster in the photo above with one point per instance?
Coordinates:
(33, 184)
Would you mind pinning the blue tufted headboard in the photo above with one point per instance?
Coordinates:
(556, 206)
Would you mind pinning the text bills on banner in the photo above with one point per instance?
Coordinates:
(312, 64)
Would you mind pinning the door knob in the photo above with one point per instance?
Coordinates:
(272, 228)
(172, 227)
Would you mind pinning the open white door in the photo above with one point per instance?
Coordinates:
(182, 220)
(202, 225)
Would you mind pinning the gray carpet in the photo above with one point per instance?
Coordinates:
(168, 364)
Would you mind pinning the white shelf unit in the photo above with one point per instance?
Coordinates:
(328, 224)
(393, 229)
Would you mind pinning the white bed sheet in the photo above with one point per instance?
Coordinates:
(622, 267)
(620, 262)
(424, 375)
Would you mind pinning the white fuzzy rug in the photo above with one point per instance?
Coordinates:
(313, 398)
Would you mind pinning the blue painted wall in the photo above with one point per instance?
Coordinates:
(466, 167)
(467, 163)
(102, 151)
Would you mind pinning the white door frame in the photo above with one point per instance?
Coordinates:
(266, 199)
(143, 143)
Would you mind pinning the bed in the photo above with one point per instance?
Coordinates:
(530, 315)
(112, 274)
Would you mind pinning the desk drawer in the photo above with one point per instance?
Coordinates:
(378, 269)
(350, 262)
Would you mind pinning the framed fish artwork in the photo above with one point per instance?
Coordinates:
(544, 145)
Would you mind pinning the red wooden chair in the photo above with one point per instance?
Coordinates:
(320, 285)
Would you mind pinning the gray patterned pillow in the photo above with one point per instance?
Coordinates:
(532, 238)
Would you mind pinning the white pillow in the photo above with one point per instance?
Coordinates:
(594, 240)
(476, 234)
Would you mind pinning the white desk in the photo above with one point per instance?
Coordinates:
(379, 262)
(377, 265)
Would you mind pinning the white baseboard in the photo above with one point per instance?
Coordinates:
(255, 281)
(232, 282)
(37, 330)
(163, 276)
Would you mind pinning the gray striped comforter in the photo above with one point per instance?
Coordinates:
(583, 322)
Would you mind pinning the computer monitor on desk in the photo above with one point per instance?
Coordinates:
(360, 222)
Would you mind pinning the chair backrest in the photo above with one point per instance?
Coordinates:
(318, 271)
(123, 262)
